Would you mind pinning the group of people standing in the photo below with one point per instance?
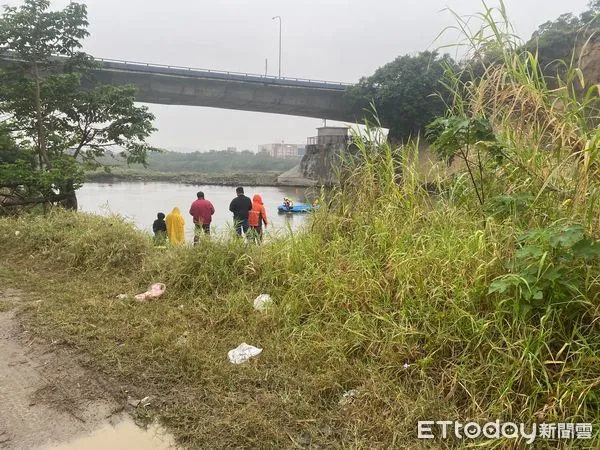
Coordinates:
(249, 216)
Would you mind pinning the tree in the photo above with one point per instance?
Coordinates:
(49, 112)
(469, 138)
(590, 16)
(560, 39)
(10, 152)
(34, 35)
(405, 92)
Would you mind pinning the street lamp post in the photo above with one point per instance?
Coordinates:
(279, 17)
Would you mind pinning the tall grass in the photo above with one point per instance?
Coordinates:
(428, 307)
(79, 241)
(548, 128)
(387, 295)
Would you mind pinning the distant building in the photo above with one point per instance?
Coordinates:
(283, 151)
(231, 149)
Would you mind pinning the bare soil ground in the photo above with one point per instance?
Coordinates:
(45, 396)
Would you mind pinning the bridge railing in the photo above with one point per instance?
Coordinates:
(126, 65)
(136, 65)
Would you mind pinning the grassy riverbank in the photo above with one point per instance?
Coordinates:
(401, 315)
(479, 304)
(211, 168)
(228, 179)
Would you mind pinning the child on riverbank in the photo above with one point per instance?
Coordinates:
(159, 227)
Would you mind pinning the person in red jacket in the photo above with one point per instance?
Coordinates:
(202, 211)
(256, 217)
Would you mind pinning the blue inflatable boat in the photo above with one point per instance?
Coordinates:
(298, 208)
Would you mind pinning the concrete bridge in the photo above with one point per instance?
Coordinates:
(171, 85)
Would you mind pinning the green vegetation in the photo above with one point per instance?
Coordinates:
(563, 38)
(478, 304)
(410, 91)
(244, 178)
(213, 162)
(404, 93)
(50, 124)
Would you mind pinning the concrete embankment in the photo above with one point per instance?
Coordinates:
(243, 179)
(294, 177)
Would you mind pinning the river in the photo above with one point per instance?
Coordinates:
(140, 201)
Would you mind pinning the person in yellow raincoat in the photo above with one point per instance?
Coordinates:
(175, 224)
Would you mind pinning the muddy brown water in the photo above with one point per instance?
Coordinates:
(49, 402)
(124, 435)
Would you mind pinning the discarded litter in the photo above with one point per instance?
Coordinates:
(183, 339)
(242, 353)
(146, 401)
(262, 301)
(348, 397)
(155, 291)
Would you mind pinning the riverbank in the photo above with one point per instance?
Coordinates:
(140, 201)
(233, 179)
(479, 306)
(375, 323)
(56, 403)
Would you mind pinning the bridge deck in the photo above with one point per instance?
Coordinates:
(129, 66)
(134, 66)
(187, 86)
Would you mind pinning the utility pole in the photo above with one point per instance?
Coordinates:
(273, 18)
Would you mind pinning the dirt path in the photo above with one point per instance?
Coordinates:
(46, 398)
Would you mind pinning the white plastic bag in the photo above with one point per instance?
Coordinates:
(262, 301)
(348, 397)
(242, 353)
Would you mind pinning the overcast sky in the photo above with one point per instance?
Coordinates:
(338, 40)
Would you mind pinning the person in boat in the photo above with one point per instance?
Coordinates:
(240, 206)
(289, 204)
(175, 225)
(201, 211)
(159, 227)
(256, 218)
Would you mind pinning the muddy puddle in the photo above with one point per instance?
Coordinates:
(121, 436)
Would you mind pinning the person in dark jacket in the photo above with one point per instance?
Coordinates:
(159, 227)
(240, 207)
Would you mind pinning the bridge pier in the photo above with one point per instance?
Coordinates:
(322, 160)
